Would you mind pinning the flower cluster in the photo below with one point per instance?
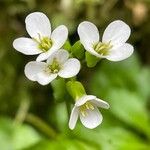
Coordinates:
(55, 61)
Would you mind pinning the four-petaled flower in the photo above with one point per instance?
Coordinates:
(58, 64)
(113, 46)
(42, 41)
(86, 108)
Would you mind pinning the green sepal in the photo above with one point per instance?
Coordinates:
(67, 46)
(78, 50)
(91, 60)
(75, 89)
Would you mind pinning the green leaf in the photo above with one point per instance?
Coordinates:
(64, 144)
(15, 136)
(24, 136)
(6, 134)
(44, 145)
(127, 74)
(78, 50)
(111, 138)
(91, 60)
(129, 108)
(143, 83)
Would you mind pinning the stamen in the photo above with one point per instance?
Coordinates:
(83, 113)
(85, 107)
(91, 106)
(102, 48)
(44, 43)
(53, 68)
(55, 71)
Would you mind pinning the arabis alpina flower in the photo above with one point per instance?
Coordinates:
(58, 64)
(42, 41)
(113, 45)
(86, 108)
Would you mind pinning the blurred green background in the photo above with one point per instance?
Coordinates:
(34, 117)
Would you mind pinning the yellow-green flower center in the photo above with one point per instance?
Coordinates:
(44, 43)
(102, 48)
(83, 108)
(54, 67)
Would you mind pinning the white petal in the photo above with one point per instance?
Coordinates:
(59, 37)
(37, 24)
(73, 117)
(92, 118)
(26, 46)
(100, 103)
(84, 99)
(93, 52)
(33, 68)
(70, 68)
(117, 32)
(121, 52)
(60, 55)
(88, 34)
(45, 78)
(45, 55)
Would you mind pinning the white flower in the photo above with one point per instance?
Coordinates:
(86, 108)
(113, 46)
(42, 41)
(57, 64)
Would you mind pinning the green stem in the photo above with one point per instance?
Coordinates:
(68, 106)
(42, 126)
(22, 111)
